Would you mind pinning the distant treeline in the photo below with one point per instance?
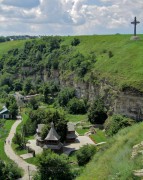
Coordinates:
(13, 38)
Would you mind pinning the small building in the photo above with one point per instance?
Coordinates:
(71, 136)
(5, 113)
(52, 141)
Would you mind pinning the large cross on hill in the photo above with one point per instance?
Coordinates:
(135, 22)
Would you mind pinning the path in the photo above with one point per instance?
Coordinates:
(11, 154)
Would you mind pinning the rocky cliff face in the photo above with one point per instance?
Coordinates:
(127, 103)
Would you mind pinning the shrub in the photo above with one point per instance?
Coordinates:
(85, 154)
(97, 113)
(110, 54)
(115, 123)
(65, 95)
(18, 140)
(76, 106)
(53, 166)
(75, 42)
(9, 171)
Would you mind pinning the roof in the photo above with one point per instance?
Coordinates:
(52, 135)
(4, 110)
(71, 136)
(40, 127)
(70, 126)
(53, 147)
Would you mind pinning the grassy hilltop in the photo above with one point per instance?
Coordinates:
(126, 65)
(117, 58)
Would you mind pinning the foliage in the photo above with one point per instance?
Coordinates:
(27, 86)
(117, 122)
(45, 131)
(53, 166)
(76, 106)
(12, 106)
(22, 59)
(49, 90)
(18, 139)
(96, 112)
(85, 153)
(46, 117)
(65, 95)
(113, 160)
(33, 103)
(110, 54)
(75, 42)
(9, 171)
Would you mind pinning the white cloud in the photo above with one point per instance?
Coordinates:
(69, 16)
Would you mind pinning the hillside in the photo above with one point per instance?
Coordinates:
(109, 66)
(114, 160)
(125, 67)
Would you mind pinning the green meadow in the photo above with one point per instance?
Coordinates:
(113, 160)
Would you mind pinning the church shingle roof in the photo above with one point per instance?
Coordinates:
(52, 135)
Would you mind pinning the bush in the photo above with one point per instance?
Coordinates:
(85, 154)
(110, 54)
(33, 103)
(76, 106)
(53, 166)
(115, 123)
(97, 113)
(18, 140)
(9, 171)
(75, 42)
(65, 95)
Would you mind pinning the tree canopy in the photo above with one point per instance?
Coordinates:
(53, 166)
(97, 113)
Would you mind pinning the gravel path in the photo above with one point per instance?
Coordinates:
(27, 168)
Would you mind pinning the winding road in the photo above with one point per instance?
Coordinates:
(28, 169)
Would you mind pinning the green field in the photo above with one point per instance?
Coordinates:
(6, 46)
(114, 160)
(4, 131)
(76, 118)
(99, 136)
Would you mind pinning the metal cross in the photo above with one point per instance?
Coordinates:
(135, 22)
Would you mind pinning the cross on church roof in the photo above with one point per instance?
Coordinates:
(135, 22)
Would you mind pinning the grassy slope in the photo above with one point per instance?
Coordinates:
(115, 162)
(125, 67)
(4, 133)
(6, 46)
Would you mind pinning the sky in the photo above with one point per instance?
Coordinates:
(69, 17)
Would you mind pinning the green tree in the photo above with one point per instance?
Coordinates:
(12, 106)
(33, 103)
(76, 106)
(17, 85)
(65, 95)
(116, 122)
(27, 86)
(97, 113)
(45, 131)
(53, 166)
(18, 139)
(84, 154)
(75, 42)
(9, 171)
